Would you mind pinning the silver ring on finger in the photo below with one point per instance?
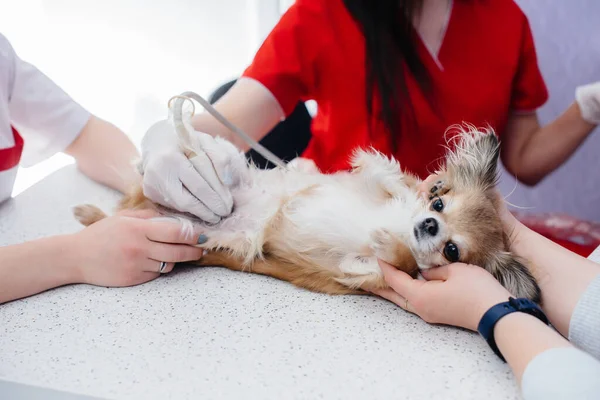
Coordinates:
(163, 266)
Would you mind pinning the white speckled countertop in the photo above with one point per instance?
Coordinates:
(213, 333)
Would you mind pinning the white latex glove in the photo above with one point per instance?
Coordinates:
(194, 186)
(588, 98)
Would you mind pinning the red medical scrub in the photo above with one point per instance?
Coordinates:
(10, 157)
(485, 69)
(9, 162)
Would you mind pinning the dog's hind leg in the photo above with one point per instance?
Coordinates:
(88, 214)
(311, 277)
(382, 175)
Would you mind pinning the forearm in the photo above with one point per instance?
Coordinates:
(105, 154)
(521, 337)
(247, 105)
(563, 276)
(545, 147)
(33, 267)
(206, 123)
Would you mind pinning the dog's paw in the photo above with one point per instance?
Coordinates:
(383, 243)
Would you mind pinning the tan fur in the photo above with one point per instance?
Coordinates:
(303, 275)
(135, 200)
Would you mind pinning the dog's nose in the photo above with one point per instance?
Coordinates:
(430, 226)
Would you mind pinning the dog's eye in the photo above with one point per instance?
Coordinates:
(451, 252)
(437, 205)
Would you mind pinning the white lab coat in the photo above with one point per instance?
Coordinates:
(36, 109)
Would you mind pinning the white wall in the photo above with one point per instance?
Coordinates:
(123, 59)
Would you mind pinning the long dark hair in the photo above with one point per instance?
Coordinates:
(390, 48)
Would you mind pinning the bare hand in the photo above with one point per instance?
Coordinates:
(128, 249)
(455, 294)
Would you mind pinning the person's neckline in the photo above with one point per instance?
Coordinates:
(435, 45)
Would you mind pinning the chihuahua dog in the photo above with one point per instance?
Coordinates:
(325, 232)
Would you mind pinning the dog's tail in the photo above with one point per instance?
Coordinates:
(88, 214)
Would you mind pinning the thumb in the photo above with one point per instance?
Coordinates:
(437, 273)
(400, 281)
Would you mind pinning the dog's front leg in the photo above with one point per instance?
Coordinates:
(383, 175)
(361, 272)
(390, 248)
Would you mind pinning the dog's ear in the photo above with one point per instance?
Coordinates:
(514, 276)
(474, 161)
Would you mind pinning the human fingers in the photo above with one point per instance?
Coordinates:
(173, 253)
(163, 184)
(394, 297)
(210, 190)
(423, 187)
(165, 231)
(437, 273)
(400, 281)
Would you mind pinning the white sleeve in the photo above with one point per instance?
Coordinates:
(562, 373)
(584, 328)
(45, 116)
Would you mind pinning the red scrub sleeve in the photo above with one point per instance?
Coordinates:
(529, 88)
(286, 62)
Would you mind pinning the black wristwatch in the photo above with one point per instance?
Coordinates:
(494, 314)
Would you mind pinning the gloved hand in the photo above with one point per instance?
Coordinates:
(191, 185)
(588, 98)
